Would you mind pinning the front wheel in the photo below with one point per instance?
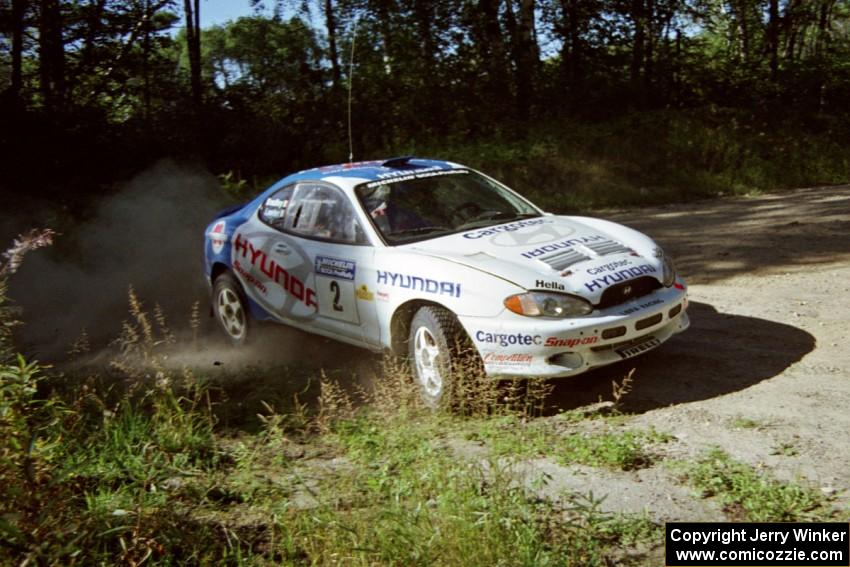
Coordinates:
(230, 309)
(437, 347)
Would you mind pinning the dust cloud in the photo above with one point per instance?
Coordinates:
(148, 235)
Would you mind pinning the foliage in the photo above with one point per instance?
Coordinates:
(10, 261)
(633, 101)
(619, 450)
(752, 496)
(95, 475)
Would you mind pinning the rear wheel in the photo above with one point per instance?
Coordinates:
(438, 348)
(231, 309)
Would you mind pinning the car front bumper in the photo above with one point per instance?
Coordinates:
(512, 345)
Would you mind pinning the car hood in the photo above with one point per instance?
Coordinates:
(578, 255)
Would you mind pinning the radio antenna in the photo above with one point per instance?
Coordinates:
(350, 81)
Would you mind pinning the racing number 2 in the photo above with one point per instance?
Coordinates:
(335, 291)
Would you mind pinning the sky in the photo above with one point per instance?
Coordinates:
(215, 12)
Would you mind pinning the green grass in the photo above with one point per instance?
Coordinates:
(751, 495)
(416, 501)
(613, 448)
(149, 474)
(745, 423)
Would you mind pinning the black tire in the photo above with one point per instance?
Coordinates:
(439, 350)
(230, 309)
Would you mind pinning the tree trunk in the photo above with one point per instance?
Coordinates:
(773, 38)
(526, 59)
(51, 55)
(492, 50)
(576, 51)
(146, 54)
(649, 50)
(821, 45)
(18, 7)
(790, 29)
(638, 43)
(93, 27)
(743, 28)
(193, 43)
(423, 10)
(824, 26)
(330, 25)
(385, 11)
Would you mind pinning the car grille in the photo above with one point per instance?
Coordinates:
(624, 291)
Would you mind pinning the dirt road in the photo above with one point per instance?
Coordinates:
(764, 371)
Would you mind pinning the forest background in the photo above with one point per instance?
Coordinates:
(575, 102)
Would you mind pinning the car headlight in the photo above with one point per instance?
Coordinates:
(669, 272)
(545, 304)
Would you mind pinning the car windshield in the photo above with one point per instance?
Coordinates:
(424, 204)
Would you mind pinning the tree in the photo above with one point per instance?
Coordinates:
(17, 25)
(51, 55)
(193, 44)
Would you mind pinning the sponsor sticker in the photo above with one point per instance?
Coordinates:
(511, 236)
(335, 267)
(382, 295)
(563, 245)
(417, 283)
(619, 276)
(502, 359)
(570, 342)
(363, 293)
(636, 308)
(549, 285)
(218, 237)
(250, 278)
(508, 339)
(348, 166)
(260, 259)
(398, 176)
(608, 267)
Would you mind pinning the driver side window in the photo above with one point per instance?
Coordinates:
(273, 210)
(319, 211)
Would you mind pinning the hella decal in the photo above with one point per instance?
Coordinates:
(549, 285)
(420, 284)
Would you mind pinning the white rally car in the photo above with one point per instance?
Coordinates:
(417, 256)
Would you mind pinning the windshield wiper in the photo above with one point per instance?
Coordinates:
(420, 231)
(505, 216)
(500, 216)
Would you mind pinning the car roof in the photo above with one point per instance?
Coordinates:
(367, 170)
